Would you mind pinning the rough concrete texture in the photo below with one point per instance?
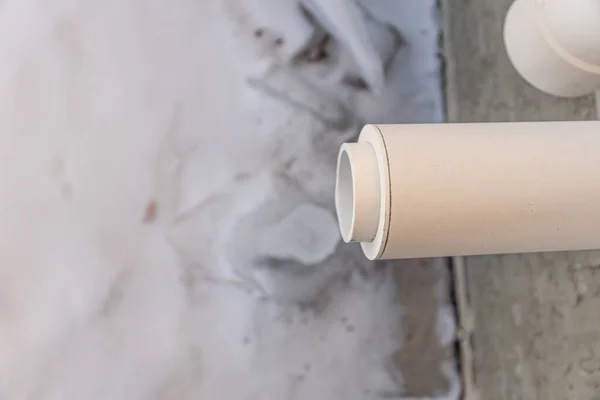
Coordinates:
(426, 358)
(166, 187)
(536, 325)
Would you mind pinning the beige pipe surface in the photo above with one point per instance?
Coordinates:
(555, 44)
(435, 190)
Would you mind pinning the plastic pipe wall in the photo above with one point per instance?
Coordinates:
(434, 190)
(555, 44)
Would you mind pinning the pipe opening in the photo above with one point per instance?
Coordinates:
(344, 196)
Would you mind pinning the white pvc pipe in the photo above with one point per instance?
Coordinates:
(555, 44)
(434, 190)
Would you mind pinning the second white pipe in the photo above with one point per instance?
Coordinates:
(555, 44)
(431, 190)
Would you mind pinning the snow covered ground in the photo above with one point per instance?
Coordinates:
(166, 192)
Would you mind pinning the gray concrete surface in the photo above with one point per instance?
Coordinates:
(426, 361)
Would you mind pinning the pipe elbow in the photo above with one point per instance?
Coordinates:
(555, 44)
